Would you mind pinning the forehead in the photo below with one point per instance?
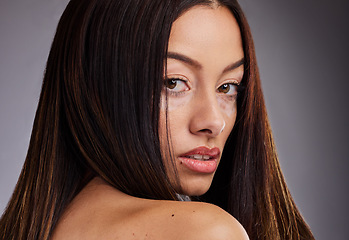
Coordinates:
(203, 29)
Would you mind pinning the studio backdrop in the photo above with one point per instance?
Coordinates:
(302, 52)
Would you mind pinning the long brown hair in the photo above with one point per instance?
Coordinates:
(98, 115)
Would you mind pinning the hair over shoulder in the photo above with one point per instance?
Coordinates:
(98, 115)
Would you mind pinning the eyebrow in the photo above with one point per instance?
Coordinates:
(197, 65)
(234, 65)
(184, 59)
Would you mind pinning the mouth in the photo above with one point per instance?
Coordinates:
(203, 153)
(201, 159)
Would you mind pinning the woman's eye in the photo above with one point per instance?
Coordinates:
(228, 88)
(176, 85)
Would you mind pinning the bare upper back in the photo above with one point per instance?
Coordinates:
(100, 211)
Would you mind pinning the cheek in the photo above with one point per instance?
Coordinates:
(228, 107)
(229, 110)
(174, 103)
(175, 107)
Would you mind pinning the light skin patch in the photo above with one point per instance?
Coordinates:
(174, 103)
(204, 63)
(227, 106)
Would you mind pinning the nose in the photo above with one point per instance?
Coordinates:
(207, 119)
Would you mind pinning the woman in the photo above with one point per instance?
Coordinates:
(139, 100)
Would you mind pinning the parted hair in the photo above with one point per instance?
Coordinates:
(98, 115)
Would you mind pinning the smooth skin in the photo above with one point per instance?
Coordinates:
(203, 114)
(101, 212)
(205, 59)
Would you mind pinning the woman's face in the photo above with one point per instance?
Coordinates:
(204, 67)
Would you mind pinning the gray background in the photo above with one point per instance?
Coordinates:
(302, 51)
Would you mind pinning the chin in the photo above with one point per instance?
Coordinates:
(195, 187)
(195, 192)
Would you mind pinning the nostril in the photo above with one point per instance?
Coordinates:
(206, 131)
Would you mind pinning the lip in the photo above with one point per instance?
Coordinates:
(201, 166)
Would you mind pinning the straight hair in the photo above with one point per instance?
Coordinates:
(98, 115)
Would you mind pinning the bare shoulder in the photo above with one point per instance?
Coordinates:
(102, 212)
(197, 220)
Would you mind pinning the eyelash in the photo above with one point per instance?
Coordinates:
(237, 86)
(174, 92)
(237, 89)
